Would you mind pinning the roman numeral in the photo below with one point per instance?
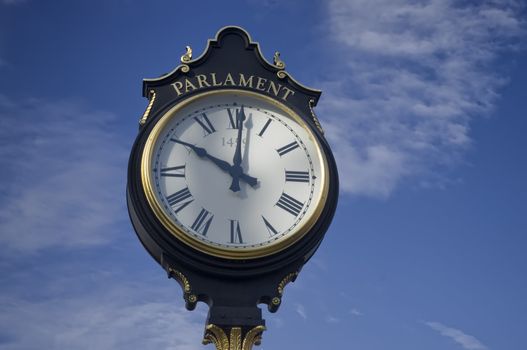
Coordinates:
(236, 233)
(205, 124)
(202, 222)
(290, 204)
(266, 125)
(233, 119)
(287, 148)
(176, 200)
(175, 171)
(296, 176)
(270, 228)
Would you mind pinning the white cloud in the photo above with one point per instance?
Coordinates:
(332, 319)
(301, 310)
(468, 342)
(356, 312)
(63, 175)
(412, 75)
(117, 317)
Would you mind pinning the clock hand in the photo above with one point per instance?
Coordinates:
(237, 160)
(223, 165)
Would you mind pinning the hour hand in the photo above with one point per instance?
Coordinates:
(223, 165)
(202, 153)
(252, 181)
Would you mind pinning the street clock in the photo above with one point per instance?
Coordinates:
(231, 183)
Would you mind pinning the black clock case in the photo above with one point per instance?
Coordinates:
(231, 287)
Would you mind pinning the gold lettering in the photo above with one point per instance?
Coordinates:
(260, 84)
(248, 82)
(275, 88)
(177, 86)
(214, 83)
(287, 92)
(202, 80)
(189, 85)
(229, 79)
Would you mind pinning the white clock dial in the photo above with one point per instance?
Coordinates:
(234, 193)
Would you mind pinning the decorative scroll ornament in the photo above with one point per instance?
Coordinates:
(186, 59)
(216, 335)
(143, 119)
(187, 56)
(277, 61)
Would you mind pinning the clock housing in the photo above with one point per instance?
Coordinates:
(226, 274)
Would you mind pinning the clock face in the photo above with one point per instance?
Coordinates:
(234, 174)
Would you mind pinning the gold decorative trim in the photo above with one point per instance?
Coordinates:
(216, 335)
(288, 278)
(230, 253)
(143, 119)
(315, 119)
(181, 278)
(253, 337)
(187, 56)
(277, 61)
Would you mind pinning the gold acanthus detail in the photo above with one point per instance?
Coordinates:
(216, 335)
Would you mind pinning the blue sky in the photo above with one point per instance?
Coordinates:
(423, 102)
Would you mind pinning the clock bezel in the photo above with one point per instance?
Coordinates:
(238, 253)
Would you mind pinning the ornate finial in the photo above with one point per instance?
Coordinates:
(236, 339)
(277, 61)
(187, 56)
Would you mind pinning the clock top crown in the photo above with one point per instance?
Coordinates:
(223, 65)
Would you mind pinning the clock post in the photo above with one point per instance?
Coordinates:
(231, 182)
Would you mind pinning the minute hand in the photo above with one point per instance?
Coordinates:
(237, 160)
(223, 165)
